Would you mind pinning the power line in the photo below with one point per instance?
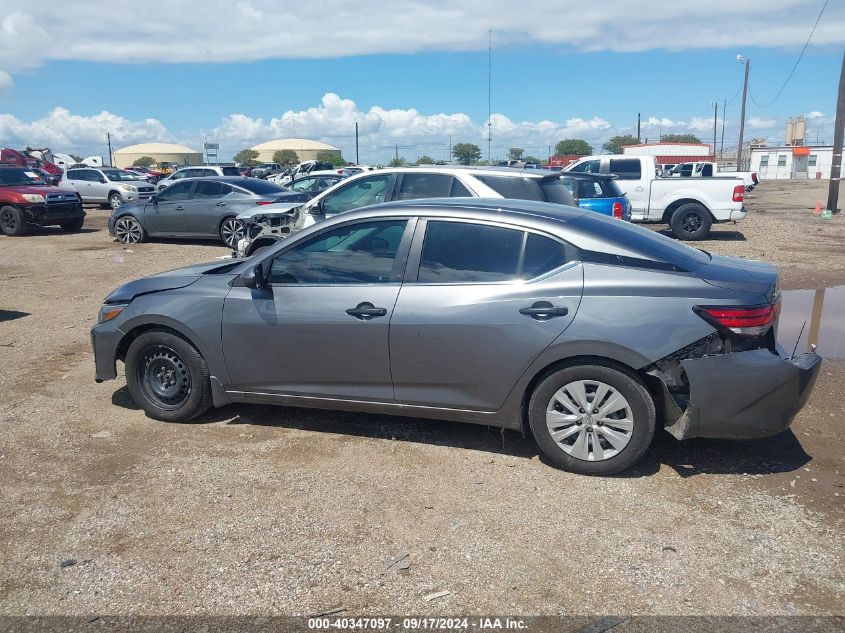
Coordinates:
(797, 61)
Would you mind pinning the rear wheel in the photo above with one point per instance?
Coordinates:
(592, 419)
(12, 221)
(72, 225)
(231, 230)
(691, 222)
(167, 377)
(128, 230)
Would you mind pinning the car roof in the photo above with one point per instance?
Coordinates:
(230, 179)
(472, 169)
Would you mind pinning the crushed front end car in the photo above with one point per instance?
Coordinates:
(734, 384)
(267, 224)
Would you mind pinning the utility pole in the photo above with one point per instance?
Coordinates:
(489, 92)
(715, 120)
(396, 152)
(838, 132)
(722, 142)
(356, 143)
(450, 148)
(638, 127)
(742, 114)
(108, 139)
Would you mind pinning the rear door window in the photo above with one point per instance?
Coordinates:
(626, 168)
(360, 193)
(461, 252)
(515, 188)
(542, 255)
(208, 189)
(422, 185)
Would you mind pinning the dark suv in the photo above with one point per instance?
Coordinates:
(26, 198)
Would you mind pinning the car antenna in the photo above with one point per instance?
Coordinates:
(795, 349)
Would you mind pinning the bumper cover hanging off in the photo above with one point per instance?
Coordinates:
(743, 395)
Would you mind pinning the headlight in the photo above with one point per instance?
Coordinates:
(33, 197)
(128, 188)
(109, 311)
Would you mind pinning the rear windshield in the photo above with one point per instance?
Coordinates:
(231, 171)
(515, 188)
(261, 187)
(611, 189)
(639, 239)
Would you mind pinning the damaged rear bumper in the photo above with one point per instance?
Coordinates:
(741, 395)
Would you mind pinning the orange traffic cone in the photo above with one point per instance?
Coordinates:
(818, 210)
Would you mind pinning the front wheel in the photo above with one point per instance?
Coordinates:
(115, 200)
(167, 377)
(12, 221)
(128, 230)
(592, 419)
(691, 222)
(231, 230)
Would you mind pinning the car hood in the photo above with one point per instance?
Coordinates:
(39, 189)
(735, 273)
(168, 280)
(280, 208)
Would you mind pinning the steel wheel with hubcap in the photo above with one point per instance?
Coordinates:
(128, 230)
(592, 419)
(115, 200)
(231, 230)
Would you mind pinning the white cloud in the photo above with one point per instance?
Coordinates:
(380, 129)
(228, 30)
(6, 81)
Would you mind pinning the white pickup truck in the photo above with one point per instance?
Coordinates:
(689, 205)
(709, 170)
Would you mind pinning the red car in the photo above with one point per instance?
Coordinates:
(26, 199)
(14, 157)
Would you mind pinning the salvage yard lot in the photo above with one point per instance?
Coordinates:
(265, 510)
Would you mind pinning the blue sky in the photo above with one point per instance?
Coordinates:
(580, 84)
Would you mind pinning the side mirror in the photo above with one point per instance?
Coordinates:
(253, 277)
(154, 198)
(103, 180)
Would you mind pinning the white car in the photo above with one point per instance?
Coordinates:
(689, 205)
(202, 171)
(106, 185)
(264, 225)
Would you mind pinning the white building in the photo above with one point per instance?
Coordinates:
(799, 162)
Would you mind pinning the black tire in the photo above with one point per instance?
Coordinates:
(691, 222)
(115, 200)
(72, 225)
(167, 377)
(128, 230)
(628, 385)
(12, 221)
(230, 235)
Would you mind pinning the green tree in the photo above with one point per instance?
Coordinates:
(286, 157)
(247, 157)
(680, 138)
(425, 160)
(466, 153)
(397, 162)
(331, 156)
(573, 146)
(144, 161)
(515, 153)
(532, 159)
(614, 145)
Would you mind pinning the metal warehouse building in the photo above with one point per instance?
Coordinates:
(305, 149)
(169, 152)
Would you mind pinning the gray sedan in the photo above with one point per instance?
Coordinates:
(195, 208)
(586, 332)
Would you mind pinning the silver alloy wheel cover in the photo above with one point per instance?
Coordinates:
(112, 198)
(128, 230)
(590, 420)
(231, 231)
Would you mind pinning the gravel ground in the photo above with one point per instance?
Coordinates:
(261, 510)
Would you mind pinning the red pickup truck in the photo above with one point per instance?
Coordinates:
(26, 199)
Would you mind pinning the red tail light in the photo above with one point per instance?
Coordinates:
(742, 320)
(754, 177)
(739, 193)
(617, 210)
(261, 203)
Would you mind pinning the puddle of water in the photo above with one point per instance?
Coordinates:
(823, 310)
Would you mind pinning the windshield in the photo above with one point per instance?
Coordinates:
(11, 176)
(117, 174)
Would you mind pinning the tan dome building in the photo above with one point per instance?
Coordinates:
(169, 152)
(304, 148)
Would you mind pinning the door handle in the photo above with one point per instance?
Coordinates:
(543, 311)
(179, 209)
(220, 204)
(366, 311)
